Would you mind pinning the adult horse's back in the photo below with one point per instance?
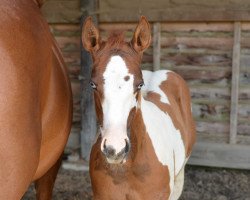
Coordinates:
(35, 101)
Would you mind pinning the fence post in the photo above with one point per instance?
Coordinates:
(88, 121)
(156, 46)
(235, 83)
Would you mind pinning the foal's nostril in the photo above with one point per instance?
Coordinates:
(104, 144)
(109, 151)
(127, 146)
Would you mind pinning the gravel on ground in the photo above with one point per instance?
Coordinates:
(201, 183)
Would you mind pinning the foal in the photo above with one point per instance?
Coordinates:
(146, 126)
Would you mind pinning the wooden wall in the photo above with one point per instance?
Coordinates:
(206, 42)
(174, 10)
(203, 54)
(62, 11)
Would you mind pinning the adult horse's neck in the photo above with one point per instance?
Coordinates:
(39, 2)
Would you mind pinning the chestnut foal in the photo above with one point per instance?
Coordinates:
(35, 101)
(146, 132)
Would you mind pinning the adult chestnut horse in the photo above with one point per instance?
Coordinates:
(146, 132)
(35, 101)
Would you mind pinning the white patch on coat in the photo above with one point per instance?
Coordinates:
(153, 80)
(166, 139)
(146, 78)
(118, 100)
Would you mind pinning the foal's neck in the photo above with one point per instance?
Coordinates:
(138, 134)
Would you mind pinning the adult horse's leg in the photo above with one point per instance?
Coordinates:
(44, 185)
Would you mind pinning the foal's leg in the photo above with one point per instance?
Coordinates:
(178, 185)
(44, 185)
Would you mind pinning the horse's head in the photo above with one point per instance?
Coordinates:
(116, 80)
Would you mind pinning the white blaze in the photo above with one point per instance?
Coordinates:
(119, 99)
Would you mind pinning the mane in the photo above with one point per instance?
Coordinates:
(115, 39)
(39, 2)
(116, 45)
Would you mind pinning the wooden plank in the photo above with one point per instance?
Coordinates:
(68, 30)
(199, 34)
(199, 51)
(174, 26)
(235, 83)
(156, 46)
(245, 43)
(89, 126)
(68, 44)
(203, 60)
(75, 85)
(211, 112)
(244, 93)
(174, 10)
(210, 92)
(213, 43)
(198, 26)
(244, 62)
(221, 155)
(245, 26)
(212, 127)
(244, 128)
(62, 11)
(220, 138)
(193, 73)
(245, 51)
(117, 26)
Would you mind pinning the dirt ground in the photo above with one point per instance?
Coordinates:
(200, 184)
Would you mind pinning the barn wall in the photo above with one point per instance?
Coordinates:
(207, 43)
(202, 54)
(174, 10)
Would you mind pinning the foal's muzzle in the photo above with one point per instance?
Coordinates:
(114, 157)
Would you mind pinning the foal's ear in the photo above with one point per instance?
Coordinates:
(142, 35)
(90, 36)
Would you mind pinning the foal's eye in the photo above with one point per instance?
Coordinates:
(92, 84)
(140, 85)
